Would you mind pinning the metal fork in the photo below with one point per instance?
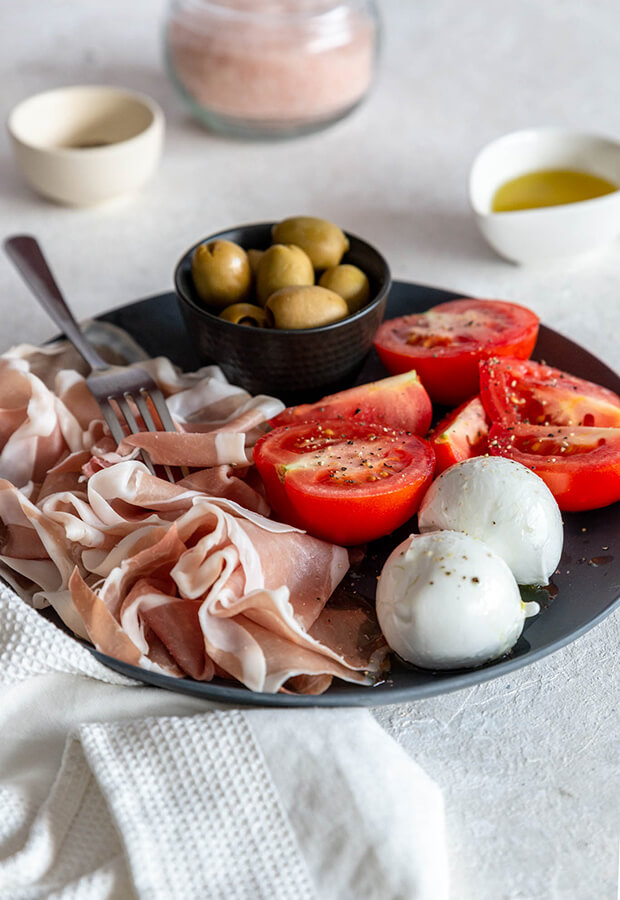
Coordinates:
(118, 390)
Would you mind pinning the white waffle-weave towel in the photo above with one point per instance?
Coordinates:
(110, 789)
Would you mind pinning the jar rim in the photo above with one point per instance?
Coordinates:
(316, 9)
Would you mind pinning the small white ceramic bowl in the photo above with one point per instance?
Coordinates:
(82, 145)
(537, 235)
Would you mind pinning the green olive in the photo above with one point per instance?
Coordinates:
(282, 265)
(323, 241)
(350, 282)
(221, 273)
(305, 306)
(255, 257)
(245, 314)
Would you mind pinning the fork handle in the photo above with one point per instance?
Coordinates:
(27, 256)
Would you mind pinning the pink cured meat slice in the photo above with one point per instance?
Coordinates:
(254, 586)
(242, 602)
(226, 568)
(99, 620)
(188, 579)
(177, 625)
(193, 450)
(291, 561)
(19, 515)
(228, 482)
(269, 659)
(207, 446)
(47, 413)
(32, 437)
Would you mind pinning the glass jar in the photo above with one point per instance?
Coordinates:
(271, 68)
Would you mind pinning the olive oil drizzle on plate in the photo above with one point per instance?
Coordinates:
(549, 187)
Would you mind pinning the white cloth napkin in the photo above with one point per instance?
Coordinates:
(111, 789)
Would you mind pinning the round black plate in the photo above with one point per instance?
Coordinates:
(586, 587)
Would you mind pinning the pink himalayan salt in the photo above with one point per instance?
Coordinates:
(281, 69)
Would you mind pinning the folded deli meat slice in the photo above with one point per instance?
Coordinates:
(36, 428)
(48, 413)
(190, 579)
(166, 577)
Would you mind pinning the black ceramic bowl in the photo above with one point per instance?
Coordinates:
(292, 365)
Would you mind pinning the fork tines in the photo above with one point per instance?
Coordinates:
(125, 394)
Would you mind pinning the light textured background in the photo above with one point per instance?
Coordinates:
(528, 763)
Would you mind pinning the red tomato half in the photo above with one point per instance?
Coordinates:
(445, 344)
(515, 390)
(345, 482)
(462, 434)
(398, 402)
(581, 466)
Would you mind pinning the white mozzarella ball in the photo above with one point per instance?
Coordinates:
(504, 504)
(446, 601)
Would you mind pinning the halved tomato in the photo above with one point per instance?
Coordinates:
(445, 344)
(462, 434)
(515, 390)
(398, 402)
(580, 465)
(345, 482)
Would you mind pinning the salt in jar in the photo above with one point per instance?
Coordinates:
(271, 68)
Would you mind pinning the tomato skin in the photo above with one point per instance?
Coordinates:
(579, 465)
(460, 435)
(514, 390)
(446, 343)
(319, 476)
(398, 402)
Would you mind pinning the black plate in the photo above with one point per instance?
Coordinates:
(585, 589)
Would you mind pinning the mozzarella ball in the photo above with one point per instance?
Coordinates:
(446, 601)
(504, 504)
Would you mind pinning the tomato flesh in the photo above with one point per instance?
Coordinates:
(345, 482)
(580, 465)
(460, 435)
(397, 402)
(445, 344)
(514, 390)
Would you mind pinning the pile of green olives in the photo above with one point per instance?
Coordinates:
(298, 282)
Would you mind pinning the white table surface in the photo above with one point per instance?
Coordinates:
(528, 763)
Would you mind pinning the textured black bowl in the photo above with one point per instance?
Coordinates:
(293, 365)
